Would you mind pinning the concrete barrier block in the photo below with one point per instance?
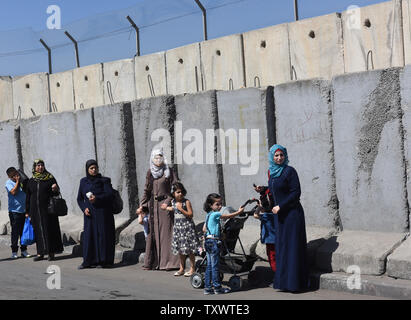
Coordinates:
(405, 79)
(184, 70)
(133, 236)
(399, 262)
(222, 63)
(31, 95)
(153, 126)
(303, 126)
(246, 119)
(88, 86)
(373, 37)
(6, 98)
(62, 91)
(65, 141)
(115, 152)
(150, 73)
(316, 47)
(368, 148)
(195, 155)
(365, 251)
(119, 81)
(267, 56)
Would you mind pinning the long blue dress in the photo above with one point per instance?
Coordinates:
(99, 230)
(291, 239)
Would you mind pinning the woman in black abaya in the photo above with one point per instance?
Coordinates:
(95, 199)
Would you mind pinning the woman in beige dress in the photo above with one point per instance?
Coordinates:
(160, 177)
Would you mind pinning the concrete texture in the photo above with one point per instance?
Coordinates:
(196, 116)
(367, 250)
(267, 56)
(303, 126)
(406, 28)
(88, 86)
(183, 67)
(150, 73)
(369, 155)
(132, 237)
(405, 82)
(399, 262)
(6, 98)
(316, 47)
(148, 115)
(30, 95)
(373, 37)
(115, 153)
(223, 63)
(119, 81)
(246, 155)
(62, 91)
(65, 141)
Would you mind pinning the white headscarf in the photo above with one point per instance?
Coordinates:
(158, 172)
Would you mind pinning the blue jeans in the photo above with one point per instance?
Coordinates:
(212, 274)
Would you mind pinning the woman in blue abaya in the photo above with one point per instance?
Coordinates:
(291, 240)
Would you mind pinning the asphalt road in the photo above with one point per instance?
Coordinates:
(25, 279)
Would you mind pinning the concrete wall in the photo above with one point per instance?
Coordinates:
(244, 116)
(196, 159)
(6, 98)
(115, 152)
(119, 81)
(267, 56)
(373, 37)
(223, 63)
(62, 91)
(150, 75)
(316, 47)
(184, 70)
(406, 28)
(303, 126)
(369, 158)
(31, 95)
(88, 86)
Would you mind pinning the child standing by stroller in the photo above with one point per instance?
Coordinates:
(212, 244)
(268, 223)
(185, 242)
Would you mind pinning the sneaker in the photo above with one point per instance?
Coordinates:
(208, 291)
(14, 255)
(25, 254)
(221, 290)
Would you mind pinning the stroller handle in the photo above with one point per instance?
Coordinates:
(248, 202)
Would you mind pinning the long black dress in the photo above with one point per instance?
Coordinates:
(99, 230)
(46, 227)
(291, 239)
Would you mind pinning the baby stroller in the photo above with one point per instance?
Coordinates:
(231, 262)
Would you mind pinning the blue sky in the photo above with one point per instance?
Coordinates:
(23, 22)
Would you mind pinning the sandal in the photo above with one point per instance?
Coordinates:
(188, 274)
(179, 273)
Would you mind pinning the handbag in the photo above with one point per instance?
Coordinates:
(27, 237)
(117, 202)
(57, 206)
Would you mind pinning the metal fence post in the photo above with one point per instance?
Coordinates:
(49, 55)
(204, 18)
(75, 47)
(137, 34)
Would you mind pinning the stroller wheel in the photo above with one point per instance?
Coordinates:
(197, 281)
(235, 283)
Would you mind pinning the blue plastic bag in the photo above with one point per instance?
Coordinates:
(27, 237)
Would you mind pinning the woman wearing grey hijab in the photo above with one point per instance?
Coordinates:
(157, 190)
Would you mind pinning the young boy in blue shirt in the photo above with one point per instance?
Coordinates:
(212, 243)
(17, 211)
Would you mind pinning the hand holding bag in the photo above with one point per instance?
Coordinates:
(27, 238)
(57, 206)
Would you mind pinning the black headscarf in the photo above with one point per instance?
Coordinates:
(89, 163)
